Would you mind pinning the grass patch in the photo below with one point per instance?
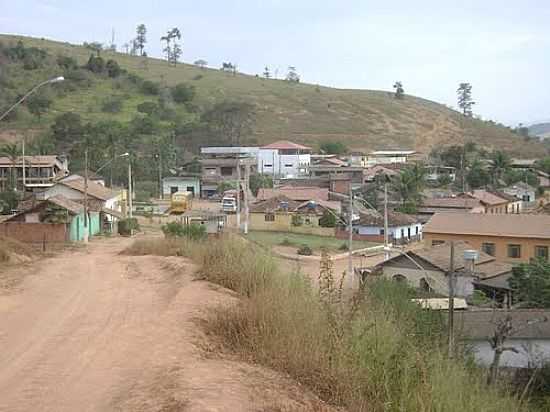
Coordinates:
(316, 243)
(10, 247)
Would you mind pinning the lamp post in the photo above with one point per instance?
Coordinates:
(34, 89)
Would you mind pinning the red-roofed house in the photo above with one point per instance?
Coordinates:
(284, 159)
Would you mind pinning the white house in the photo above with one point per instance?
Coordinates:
(284, 159)
(382, 157)
(402, 228)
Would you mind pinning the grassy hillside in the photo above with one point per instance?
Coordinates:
(304, 113)
(540, 129)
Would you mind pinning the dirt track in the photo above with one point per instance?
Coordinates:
(92, 330)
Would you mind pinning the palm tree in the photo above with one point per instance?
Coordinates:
(501, 164)
(11, 151)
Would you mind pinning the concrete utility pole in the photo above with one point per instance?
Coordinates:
(451, 299)
(386, 235)
(238, 193)
(130, 206)
(160, 176)
(24, 172)
(246, 187)
(86, 223)
(350, 229)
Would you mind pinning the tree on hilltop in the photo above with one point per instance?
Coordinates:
(141, 38)
(399, 90)
(465, 101)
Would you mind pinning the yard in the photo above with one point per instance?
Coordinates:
(296, 240)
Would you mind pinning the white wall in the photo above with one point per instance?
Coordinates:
(534, 350)
(271, 162)
(394, 231)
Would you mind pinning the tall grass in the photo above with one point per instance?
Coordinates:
(9, 247)
(375, 352)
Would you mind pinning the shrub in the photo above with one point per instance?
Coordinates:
(112, 105)
(127, 226)
(183, 93)
(113, 69)
(8, 201)
(327, 220)
(149, 87)
(305, 250)
(193, 231)
(66, 62)
(95, 64)
(343, 247)
(148, 108)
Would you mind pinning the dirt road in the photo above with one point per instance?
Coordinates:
(92, 330)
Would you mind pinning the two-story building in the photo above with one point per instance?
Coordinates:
(511, 238)
(284, 159)
(32, 172)
(383, 157)
(495, 202)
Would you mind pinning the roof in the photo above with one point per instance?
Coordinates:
(504, 225)
(489, 198)
(114, 213)
(96, 190)
(298, 193)
(451, 202)
(35, 160)
(274, 204)
(496, 282)
(286, 145)
(441, 303)
(331, 161)
(480, 324)
(380, 169)
(392, 152)
(319, 206)
(62, 201)
(394, 219)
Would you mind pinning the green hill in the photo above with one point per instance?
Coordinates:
(304, 113)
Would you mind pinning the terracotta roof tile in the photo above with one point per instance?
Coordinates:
(299, 193)
(286, 145)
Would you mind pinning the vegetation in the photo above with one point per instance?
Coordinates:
(399, 90)
(465, 101)
(193, 231)
(328, 219)
(304, 250)
(280, 108)
(258, 181)
(335, 148)
(128, 226)
(531, 283)
(10, 247)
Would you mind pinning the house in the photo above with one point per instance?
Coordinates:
(402, 228)
(521, 191)
(508, 237)
(32, 172)
(358, 159)
(284, 159)
(335, 171)
(56, 219)
(219, 164)
(495, 202)
(435, 172)
(372, 173)
(104, 205)
(173, 184)
(429, 207)
(382, 157)
(282, 214)
(295, 193)
(427, 269)
(531, 339)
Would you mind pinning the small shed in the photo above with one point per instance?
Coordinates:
(173, 184)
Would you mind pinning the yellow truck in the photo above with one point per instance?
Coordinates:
(180, 202)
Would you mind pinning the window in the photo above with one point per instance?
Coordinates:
(266, 165)
(381, 231)
(489, 248)
(514, 251)
(402, 233)
(437, 242)
(173, 189)
(226, 171)
(289, 165)
(417, 230)
(541, 252)
(424, 285)
(269, 217)
(408, 232)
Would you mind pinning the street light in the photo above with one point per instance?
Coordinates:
(34, 89)
(110, 161)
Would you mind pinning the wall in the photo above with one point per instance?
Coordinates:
(527, 244)
(181, 184)
(344, 234)
(35, 232)
(297, 163)
(283, 223)
(538, 350)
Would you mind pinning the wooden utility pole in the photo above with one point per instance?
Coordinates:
(386, 234)
(246, 183)
(130, 206)
(451, 279)
(350, 228)
(238, 193)
(86, 223)
(24, 171)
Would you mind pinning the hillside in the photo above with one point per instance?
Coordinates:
(304, 113)
(540, 129)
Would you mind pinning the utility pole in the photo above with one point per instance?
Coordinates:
(350, 229)
(451, 276)
(24, 172)
(238, 193)
(386, 235)
(246, 186)
(160, 175)
(86, 223)
(130, 206)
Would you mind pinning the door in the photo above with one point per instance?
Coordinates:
(191, 189)
(173, 189)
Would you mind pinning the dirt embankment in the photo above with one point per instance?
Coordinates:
(92, 330)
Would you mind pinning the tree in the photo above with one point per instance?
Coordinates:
(94, 46)
(328, 219)
(266, 73)
(477, 175)
(183, 93)
(12, 152)
(95, 64)
(39, 104)
(201, 63)
(8, 201)
(67, 129)
(531, 284)
(176, 53)
(230, 121)
(141, 39)
(543, 164)
(410, 182)
(399, 90)
(172, 52)
(501, 164)
(258, 181)
(113, 69)
(292, 75)
(465, 101)
(337, 148)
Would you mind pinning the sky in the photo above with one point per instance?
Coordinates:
(501, 47)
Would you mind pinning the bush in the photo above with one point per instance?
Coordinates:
(8, 201)
(305, 250)
(183, 93)
(66, 62)
(343, 247)
(193, 231)
(112, 105)
(95, 64)
(113, 69)
(149, 87)
(327, 220)
(128, 226)
(148, 108)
